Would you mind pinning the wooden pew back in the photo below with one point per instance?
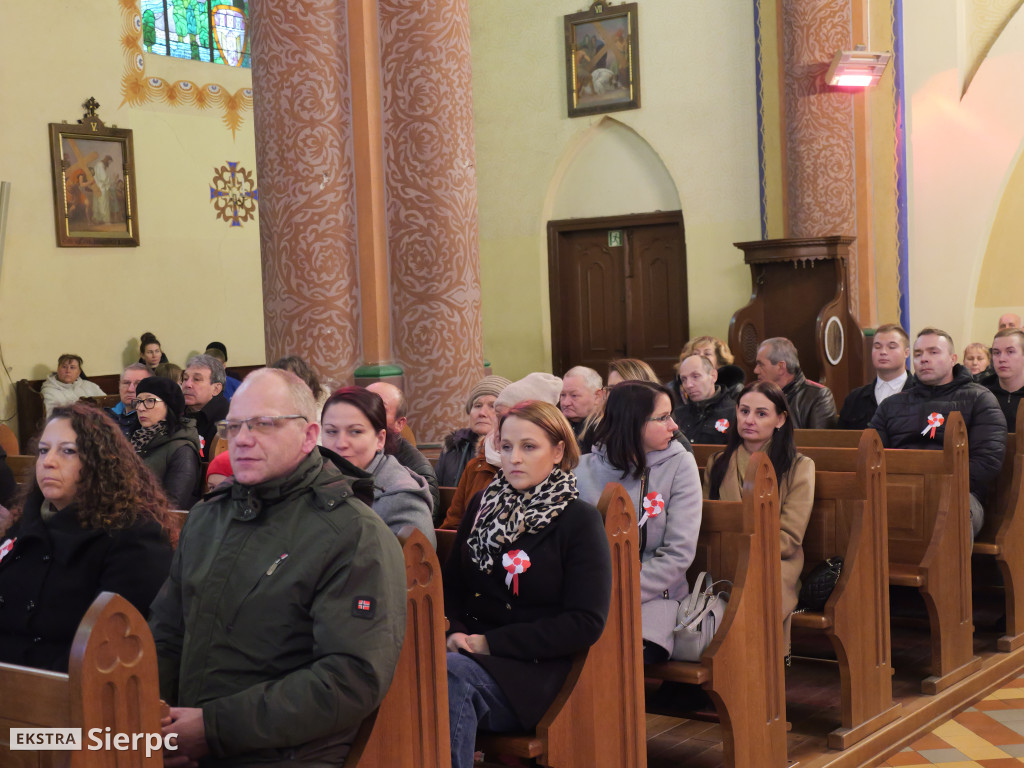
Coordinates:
(410, 728)
(22, 467)
(742, 668)
(111, 682)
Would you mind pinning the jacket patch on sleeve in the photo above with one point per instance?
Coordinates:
(364, 607)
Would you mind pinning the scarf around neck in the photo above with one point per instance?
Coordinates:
(143, 436)
(506, 514)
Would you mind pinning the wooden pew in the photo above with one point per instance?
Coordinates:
(410, 728)
(22, 467)
(111, 682)
(849, 521)
(1002, 535)
(742, 669)
(929, 541)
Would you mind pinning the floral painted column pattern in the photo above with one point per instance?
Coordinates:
(819, 124)
(304, 160)
(431, 207)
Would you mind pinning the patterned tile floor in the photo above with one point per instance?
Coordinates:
(988, 735)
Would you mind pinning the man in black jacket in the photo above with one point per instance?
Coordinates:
(707, 412)
(811, 405)
(890, 349)
(1008, 383)
(915, 418)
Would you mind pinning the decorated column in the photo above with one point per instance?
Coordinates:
(431, 207)
(307, 184)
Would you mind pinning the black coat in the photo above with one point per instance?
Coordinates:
(1008, 402)
(206, 421)
(901, 419)
(860, 405)
(55, 570)
(811, 405)
(561, 607)
(459, 447)
(700, 422)
(175, 460)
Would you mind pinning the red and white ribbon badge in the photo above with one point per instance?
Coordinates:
(722, 425)
(6, 547)
(653, 505)
(515, 561)
(935, 421)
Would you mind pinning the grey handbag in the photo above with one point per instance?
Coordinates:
(699, 617)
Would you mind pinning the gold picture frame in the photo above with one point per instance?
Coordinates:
(602, 59)
(94, 184)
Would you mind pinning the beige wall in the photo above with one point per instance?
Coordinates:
(193, 279)
(966, 135)
(696, 135)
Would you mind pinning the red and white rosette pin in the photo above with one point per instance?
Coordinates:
(653, 505)
(6, 547)
(722, 425)
(515, 562)
(935, 420)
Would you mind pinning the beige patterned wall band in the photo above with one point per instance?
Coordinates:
(138, 88)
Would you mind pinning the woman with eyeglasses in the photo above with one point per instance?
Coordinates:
(634, 446)
(762, 423)
(168, 442)
(92, 519)
(354, 426)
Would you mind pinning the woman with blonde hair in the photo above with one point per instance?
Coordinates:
(67, 384)
(527, 584)
(977, 360)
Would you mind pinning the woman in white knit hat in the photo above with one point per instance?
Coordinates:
(480, 470)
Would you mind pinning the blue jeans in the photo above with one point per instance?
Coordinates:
(474, 701)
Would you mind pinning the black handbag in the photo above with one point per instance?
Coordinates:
(819, 583)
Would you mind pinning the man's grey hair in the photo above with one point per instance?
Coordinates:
(590, 377)
(136, 367)
(298, 391)
(781, 350)
(215, 366)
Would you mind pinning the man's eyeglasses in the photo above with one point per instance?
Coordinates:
(145, 403)
(662, 419)
(259, 425)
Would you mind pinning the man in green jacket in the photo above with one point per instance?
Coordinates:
(279, 628)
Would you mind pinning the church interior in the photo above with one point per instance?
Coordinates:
(396, 187)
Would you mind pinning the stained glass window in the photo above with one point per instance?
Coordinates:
(201, 30)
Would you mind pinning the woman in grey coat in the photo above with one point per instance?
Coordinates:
(354, 425)
(633, 446)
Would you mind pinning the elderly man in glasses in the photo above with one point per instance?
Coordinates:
(279, 627)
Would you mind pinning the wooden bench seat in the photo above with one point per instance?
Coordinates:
(111, 682)
(849, 520)
(742, 668)
(929, 540)
(410, 728)
(1002, 535)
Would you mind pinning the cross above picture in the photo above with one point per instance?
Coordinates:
(602, 59)
(93, 183)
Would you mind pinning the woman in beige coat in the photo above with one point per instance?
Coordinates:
(762, 424)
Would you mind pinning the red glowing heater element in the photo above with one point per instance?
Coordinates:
(857, 68)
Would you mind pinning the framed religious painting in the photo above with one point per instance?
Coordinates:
(93, 184)
(602, 59)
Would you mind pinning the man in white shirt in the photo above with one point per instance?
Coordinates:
(890, 349)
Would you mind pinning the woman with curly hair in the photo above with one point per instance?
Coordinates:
(92, 519)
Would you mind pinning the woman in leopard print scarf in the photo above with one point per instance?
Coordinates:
(527, 584)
